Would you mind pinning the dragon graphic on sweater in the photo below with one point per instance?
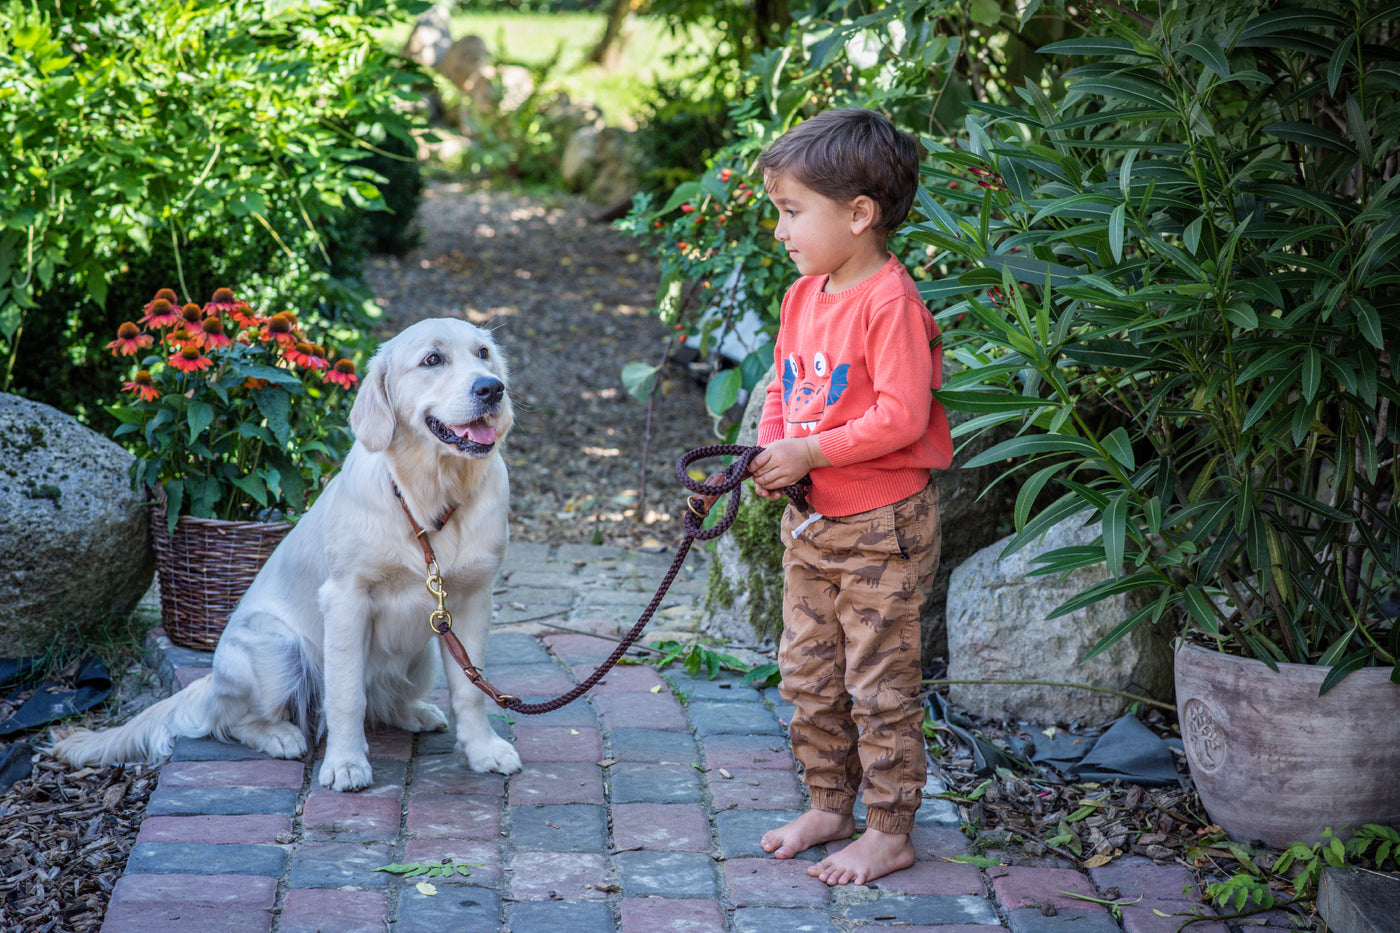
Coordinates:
(808, 391)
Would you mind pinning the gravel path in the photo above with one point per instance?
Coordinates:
(570, 302)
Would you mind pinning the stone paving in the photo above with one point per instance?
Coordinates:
(639, 810)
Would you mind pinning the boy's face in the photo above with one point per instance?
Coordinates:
(822, 236)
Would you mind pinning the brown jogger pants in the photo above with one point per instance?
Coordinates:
(849, 656)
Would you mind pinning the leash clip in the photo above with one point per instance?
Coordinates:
(439, 620)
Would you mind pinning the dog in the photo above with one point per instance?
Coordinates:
(334, 631)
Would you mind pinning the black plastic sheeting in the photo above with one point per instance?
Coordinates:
(50, 701)
(1126, 751)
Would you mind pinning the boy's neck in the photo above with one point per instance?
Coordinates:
(863, 263)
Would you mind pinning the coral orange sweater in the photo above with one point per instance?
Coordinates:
(857, 368)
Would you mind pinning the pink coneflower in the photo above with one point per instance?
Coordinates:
(161, 311)
(214, 335)
(307, 355)
(192, 318)
(190, 359)
(280, 328)
(130, 340)
(142, 386)
(222, 302)
(342, 374)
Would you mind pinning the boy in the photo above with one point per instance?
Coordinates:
(858, 355)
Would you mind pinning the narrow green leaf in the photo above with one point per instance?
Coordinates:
(1120, 447)
(1116, 222)
(1030, 444)
(1199, 605)
(1312, 373)
(1115, 531)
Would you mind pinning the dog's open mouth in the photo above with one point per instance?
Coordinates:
(476, 437)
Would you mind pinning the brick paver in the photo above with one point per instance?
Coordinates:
(639, 810)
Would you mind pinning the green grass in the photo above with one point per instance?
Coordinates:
(620, 88)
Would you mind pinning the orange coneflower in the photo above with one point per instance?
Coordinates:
(130, 339)
(223, 303)
(342, 374)
(281, 328)
(142, 386)
(190, 359)
(253, 383)
(161, 312)
(179, 337)
(307, 355)
(214, 335)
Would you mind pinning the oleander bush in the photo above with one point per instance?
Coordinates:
(1181, 282)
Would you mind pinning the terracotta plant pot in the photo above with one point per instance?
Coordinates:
(1277, 763)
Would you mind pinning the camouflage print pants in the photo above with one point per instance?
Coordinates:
(853, 588)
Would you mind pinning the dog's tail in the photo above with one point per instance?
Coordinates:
(148, 736)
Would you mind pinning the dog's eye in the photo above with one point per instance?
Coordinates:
(432, 359)
(484, 353)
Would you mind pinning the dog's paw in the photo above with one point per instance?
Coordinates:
(490, 753)
(346, 774)
(278, 739)
(422, 717)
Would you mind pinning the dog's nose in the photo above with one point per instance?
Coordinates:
(489, 391)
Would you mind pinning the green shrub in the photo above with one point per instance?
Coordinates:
(186, 144)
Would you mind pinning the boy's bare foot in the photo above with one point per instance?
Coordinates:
(871, 856)
(810, 829)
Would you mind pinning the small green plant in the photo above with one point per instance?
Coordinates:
(445, 869)
(1299, 868)
(695, 658)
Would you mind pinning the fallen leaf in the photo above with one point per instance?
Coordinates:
(725, 773)
(656, 689)
(426, 889)
(573, 732)
(1097, 861)
(1159, 913)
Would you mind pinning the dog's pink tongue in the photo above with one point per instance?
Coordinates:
(480, 433)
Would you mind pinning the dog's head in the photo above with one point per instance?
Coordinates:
(444, 381)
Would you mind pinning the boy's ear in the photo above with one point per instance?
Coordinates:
(864, 213)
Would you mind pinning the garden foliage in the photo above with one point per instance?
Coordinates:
(193, 144)
(1180, 282)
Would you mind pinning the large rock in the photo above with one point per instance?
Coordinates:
(998, 631)
(601, 163)
(431, 36)
(744, 598)
(467, 64)
(75, 547)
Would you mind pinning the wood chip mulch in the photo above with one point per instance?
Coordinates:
(64, 839)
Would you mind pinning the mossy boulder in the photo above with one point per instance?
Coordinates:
(75, 544)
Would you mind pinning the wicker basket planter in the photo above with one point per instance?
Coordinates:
(204, 568)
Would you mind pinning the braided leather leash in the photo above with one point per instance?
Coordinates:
(697, 508)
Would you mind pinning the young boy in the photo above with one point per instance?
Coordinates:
(858, 355)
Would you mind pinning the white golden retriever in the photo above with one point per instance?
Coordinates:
(337, 620)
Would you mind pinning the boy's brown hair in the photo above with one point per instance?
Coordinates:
(847, 152)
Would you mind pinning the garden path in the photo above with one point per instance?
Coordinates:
(570, 300)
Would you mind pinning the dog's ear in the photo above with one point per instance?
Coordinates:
(372, 415)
